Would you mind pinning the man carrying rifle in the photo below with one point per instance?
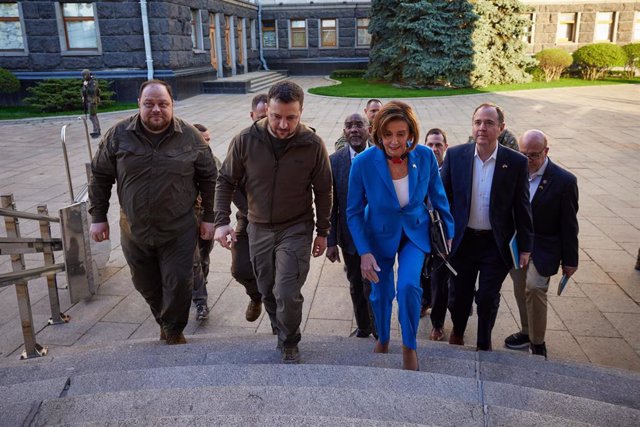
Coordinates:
(90, 100)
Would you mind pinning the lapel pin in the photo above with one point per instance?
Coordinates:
(414, 166)
(544, 182)
(540, 187)
(504, 166)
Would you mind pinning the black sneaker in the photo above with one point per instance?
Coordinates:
(202, 312)
(517, 341)
(290, 354)
(539, 350)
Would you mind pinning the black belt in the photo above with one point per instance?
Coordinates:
(478, 233)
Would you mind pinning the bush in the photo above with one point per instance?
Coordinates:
(595, 59)
(632, 51)
(336, 74)
(8, 82)
(553, 62)
(64, 95)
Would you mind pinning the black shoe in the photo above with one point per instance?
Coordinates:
(539, 350)
(359, 333)
(274, 330)
(290, 354)
(202, 312)
(517, 341)
(638, 261)
(95, 134)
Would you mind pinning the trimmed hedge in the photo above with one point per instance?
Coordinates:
(8, 82)
(595, 59)
(64, 95)
(553, 62)
(632, 50)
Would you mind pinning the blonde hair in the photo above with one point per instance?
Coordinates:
(392, 111)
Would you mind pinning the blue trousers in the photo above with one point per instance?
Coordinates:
(410, 260)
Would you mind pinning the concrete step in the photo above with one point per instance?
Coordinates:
(265, 83)
(607, 385)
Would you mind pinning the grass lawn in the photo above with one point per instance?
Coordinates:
(356, 87)
(12, 113)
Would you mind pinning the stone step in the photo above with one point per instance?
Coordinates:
(607, 385)
(265, 84)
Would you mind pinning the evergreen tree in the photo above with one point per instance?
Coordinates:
(438, 45)
(499, 50)
(448, 42)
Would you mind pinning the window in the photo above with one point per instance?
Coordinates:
(567, 24)
(212, 40)
(11, 31)
(241, 41)
(298, 33)
(635, 36)
(79, 24)
(527, 37)
(269, 39)
(328, 33)
(364, 38)
(197, 41)
(604, 27)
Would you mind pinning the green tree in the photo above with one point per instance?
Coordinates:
(438, 41)
(499, 50)
(64, 95)
(8, 82)
(633, 59)
(448, 42)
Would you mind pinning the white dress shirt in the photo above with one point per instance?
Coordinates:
(402, 190)
(352, 152)
(481, 191)
(535, 178)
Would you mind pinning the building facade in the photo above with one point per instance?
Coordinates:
(187, 42)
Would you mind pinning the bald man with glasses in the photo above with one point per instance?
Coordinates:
(553, 192)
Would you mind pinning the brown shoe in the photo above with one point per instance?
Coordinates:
(253, 310)
(455, 339)
(437, 334)
(176, 338)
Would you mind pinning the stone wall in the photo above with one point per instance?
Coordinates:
(546, 23)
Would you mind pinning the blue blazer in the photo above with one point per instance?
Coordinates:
(509, 207)
(375, 218)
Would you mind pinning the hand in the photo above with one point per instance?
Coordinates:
(332, 254)
(524, 259)
(206, 230)
(568, 271)
(221, 234)
(369, 267)
(99, 231)
(319, 246)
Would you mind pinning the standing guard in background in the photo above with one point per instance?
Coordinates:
(90, 100)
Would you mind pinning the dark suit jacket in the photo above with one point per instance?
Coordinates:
(339, 233)
(509, 207)
(555, 221)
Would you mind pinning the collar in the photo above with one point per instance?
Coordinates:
(492, 156)
(352, 152)
(540, 171)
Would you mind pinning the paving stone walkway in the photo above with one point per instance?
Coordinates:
(593, 132)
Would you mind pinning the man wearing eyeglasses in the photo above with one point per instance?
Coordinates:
(356, 136)
(553, 192)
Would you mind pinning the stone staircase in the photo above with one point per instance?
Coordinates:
(239, 380)
(253, 82)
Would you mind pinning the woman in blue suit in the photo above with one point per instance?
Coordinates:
(387, 216)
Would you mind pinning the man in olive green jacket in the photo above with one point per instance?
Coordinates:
(285, 168)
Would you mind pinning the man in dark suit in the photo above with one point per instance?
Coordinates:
(356, 136)
(488, 190)
(554, 203)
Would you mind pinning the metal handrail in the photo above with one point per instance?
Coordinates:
(27, 215)
(8, 279)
